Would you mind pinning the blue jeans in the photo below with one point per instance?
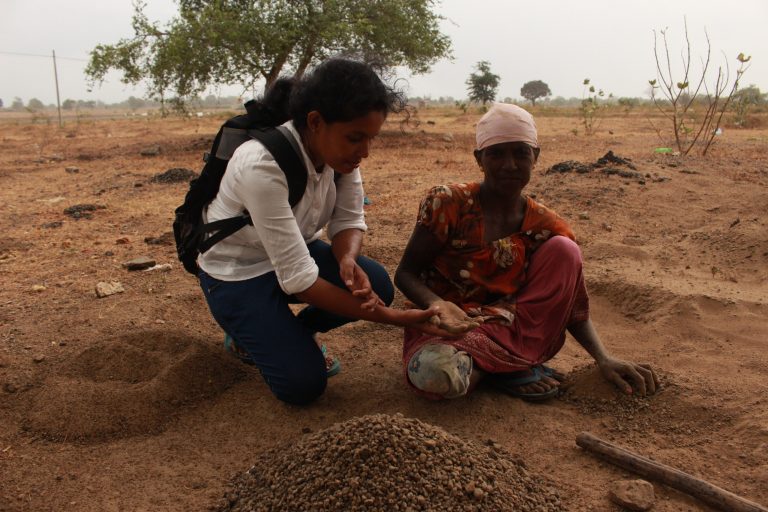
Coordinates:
(256, 314)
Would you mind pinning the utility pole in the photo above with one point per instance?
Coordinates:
(56, 77)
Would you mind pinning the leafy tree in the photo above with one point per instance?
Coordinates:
(17, 104)
(223, 42)
(534, 90)
(628, 103)
(744, 99)
(483, 84)
(135, 103)
(591, 107)
(35, 104)
(1, 102)
(68, 104)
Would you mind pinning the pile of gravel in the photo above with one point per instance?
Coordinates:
(383, 462)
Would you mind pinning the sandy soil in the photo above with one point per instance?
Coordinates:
(129, 402)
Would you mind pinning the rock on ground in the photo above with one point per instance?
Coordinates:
(633, 494)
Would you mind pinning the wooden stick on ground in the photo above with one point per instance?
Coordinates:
(706, 492)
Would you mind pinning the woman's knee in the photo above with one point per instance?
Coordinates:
(562, 249)
(300, 388)
(440, 370)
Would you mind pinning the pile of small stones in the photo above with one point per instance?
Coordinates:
(383, 462)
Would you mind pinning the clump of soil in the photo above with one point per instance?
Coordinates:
(82, 211)
(601, 163)
(175, 175)
(383, 462)
(164, 239)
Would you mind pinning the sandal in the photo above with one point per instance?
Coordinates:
(234, 349)
(510, 382)
(332, 363)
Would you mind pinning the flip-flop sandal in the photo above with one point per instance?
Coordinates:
(510, 382)
(232, 347)
(332, 363)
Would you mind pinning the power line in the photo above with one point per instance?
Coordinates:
(38, 55)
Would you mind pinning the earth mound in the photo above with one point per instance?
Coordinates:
(128, 385)
(383, 462)
(175, 175)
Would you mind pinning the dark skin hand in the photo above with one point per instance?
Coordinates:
(507, 170)
(421, 251)
(631, 378)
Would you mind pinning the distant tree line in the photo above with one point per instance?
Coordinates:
(132, 103)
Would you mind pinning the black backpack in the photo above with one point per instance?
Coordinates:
(188, 228)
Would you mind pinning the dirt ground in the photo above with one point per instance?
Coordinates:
(129, 402)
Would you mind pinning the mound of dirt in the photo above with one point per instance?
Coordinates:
(383, 462)
(128, 385)
(640, 302)
(175, 175)
(602, 163)
(82, 211)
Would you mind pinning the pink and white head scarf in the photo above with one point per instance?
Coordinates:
(506, 123)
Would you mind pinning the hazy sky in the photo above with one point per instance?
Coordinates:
(558, 41)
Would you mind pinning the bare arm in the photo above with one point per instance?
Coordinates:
(419, 255)
(346, 244)
(630, 377)
(329, 297)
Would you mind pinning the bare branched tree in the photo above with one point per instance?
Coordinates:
(695, 112)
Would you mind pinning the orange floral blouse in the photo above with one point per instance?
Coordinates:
(468, 271)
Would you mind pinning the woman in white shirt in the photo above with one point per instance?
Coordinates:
(250, 278)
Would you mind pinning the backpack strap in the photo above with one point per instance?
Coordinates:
(284, 148)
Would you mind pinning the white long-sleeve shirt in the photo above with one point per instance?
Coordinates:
(278, 239)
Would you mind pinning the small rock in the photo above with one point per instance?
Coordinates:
(584, 216)
(104, 289)
(52, 225)
(72, 170)
(607, 227)
(632, 494)
(56, 157)
(140, 263)
(9, 388)
(38, 288)
(38, 358)
(448, 137)
(164, 239)
(165, 267)
(478, 493)
(150, 151)
(122, 241)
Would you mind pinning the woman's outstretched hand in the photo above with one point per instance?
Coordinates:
(357, 282)
(424, 320)
(631, 378)
(452, 319)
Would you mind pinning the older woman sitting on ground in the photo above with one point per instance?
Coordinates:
(506, 275)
